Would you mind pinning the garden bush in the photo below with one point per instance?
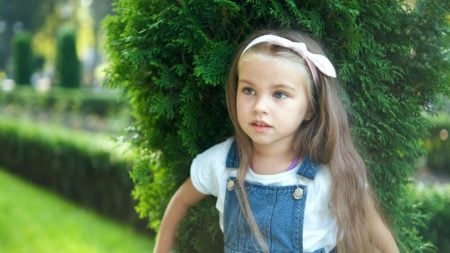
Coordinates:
(434, 202)
(84, 168)
(172, 59)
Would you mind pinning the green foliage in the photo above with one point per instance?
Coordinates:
(172, 59)
(22, 58)
(68, 67)
(434, 203)
(151, 183)
(197, 227)
(81, 167)
(437, 144)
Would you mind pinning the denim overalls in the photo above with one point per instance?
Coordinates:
(278, 211)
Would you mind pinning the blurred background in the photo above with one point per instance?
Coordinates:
(40, 27)
(64, 157)
(64, 167)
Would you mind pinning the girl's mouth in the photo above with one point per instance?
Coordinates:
(260, 126)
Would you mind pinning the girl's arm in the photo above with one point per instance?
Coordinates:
(184, 198)
(380, 234)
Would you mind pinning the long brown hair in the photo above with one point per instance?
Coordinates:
(325, 138)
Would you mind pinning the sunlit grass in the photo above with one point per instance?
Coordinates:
(35, 220)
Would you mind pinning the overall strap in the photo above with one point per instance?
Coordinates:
(308, 168)
(233, 156)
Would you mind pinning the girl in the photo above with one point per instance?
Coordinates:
(290, 180)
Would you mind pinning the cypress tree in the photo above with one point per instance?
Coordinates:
(68, 69)
(172, 59)
(22, 58)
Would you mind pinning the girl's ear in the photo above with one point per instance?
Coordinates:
(308, 116)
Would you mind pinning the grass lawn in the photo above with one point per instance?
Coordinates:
(35, 220)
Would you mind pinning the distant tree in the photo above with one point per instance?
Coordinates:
(22, 58)
(68, 66)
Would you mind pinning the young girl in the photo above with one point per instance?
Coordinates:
(290, 180)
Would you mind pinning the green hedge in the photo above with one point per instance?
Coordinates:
(434, 202)
(93, 110)
(437, 144)
(100, 102)
(88, 169)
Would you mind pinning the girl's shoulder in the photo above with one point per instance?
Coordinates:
(216, 153)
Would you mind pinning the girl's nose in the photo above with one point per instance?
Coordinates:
(261, 105)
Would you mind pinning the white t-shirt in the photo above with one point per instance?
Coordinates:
(209, 176)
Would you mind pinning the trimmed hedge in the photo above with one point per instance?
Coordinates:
(434, 202)
(67, 106)
(89, 170)
(102, 103)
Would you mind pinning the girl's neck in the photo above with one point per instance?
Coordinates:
(268, 161)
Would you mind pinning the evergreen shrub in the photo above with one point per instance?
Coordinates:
(22, 58)
(68, 66)
(172, 59)
(84, 168)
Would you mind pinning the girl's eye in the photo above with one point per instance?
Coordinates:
(248, 91)
(280, 95)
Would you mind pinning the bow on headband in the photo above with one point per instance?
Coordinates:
(314, 61)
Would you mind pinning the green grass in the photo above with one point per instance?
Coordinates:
(35, 220)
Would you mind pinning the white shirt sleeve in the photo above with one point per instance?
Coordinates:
(208, 167)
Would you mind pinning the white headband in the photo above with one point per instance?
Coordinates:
(314, 61)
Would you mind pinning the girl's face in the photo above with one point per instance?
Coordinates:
(271, 99)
